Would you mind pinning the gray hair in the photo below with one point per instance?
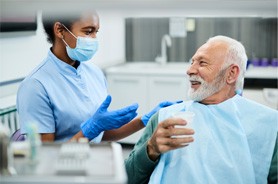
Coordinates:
(236, 54)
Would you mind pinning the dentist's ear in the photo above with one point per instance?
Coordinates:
(58, 30)
(233, 74)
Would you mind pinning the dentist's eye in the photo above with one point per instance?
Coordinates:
(88, 32)
(91, 32)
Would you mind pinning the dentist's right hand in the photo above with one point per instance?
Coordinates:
(104, 120)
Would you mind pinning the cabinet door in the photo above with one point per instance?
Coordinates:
(127, 89)
(171, 88)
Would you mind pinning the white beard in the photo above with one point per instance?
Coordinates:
(206, 89)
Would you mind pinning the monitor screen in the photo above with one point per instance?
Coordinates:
(18, 22)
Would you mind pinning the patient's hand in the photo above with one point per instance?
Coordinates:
(162, 140)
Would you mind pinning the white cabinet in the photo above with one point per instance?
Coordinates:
(146, 90)
(171, 88)
(127, 89)
(146, 87)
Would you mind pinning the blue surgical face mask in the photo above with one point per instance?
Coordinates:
(85, 49)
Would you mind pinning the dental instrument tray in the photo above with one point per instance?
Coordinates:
(73, 159)
(71, 163)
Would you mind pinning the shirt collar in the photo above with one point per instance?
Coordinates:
(64, 68)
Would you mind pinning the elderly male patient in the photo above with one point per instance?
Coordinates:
(232, 139)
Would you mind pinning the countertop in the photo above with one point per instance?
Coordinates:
(179, 69)
(149, 68)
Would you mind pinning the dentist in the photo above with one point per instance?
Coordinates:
(66, 95)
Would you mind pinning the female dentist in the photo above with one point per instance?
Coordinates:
(66, 95)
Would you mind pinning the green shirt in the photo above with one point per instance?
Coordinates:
(139, 167)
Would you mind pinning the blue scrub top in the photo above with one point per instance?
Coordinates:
(58, 98)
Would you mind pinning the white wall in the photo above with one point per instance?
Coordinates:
(111, 36)
(21, 52)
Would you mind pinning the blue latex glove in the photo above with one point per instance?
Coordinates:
(104, 120)
(146, 117)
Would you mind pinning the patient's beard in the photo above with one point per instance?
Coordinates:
(206, 89)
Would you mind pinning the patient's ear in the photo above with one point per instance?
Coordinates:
(233, 73)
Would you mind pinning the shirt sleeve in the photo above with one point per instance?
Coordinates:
(272, 175)
(138, 165)
(33, 106)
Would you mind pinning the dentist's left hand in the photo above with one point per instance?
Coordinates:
(104, 120)
(147, 116)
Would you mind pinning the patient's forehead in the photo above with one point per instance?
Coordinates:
(212, 51)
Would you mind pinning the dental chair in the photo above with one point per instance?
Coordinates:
(17, 136)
